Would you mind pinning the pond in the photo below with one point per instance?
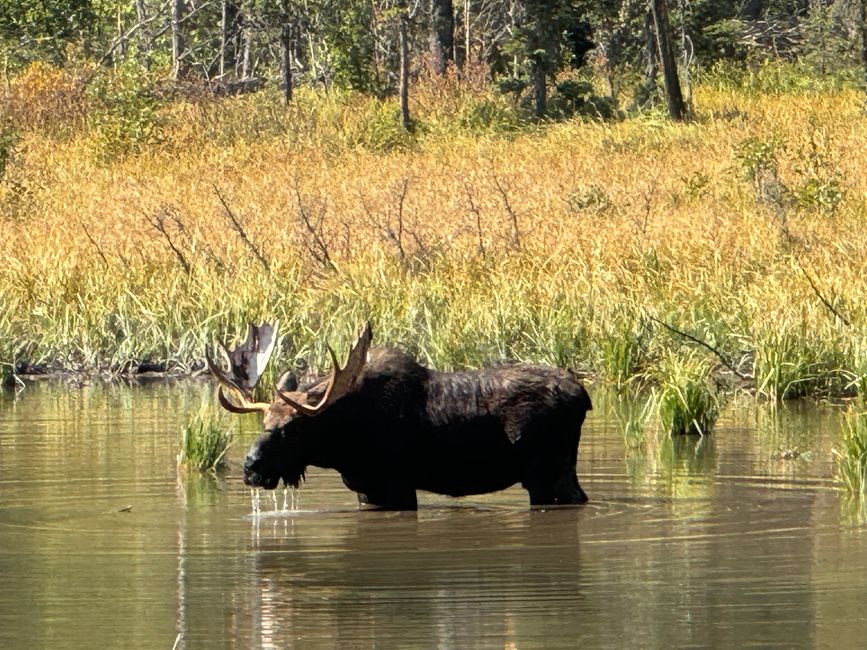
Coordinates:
(725, 541)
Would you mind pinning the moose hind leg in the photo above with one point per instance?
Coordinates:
(569, 491)
(541, 484)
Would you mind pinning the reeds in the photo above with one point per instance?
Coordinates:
(463, 243)
(205, 439)
(852, 454)
(686, 398)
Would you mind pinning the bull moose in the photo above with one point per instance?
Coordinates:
(391, 426)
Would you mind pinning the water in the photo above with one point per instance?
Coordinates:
(718, 542)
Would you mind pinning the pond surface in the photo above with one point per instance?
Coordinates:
(716, 542)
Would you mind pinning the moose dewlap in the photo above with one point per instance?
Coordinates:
(391, 426)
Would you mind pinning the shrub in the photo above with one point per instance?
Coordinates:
(46, 98)
(124, 114)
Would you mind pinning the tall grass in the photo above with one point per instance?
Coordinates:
(686, 399)
(205, 439)
(852, 454)
(476, 238)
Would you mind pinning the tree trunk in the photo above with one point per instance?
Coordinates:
(286, 50)
(467, 15)
(404, 70)
(651, 71)
(752, 9)
(442, 34)
(177, 38)
(246, 57)
(673, 94)
(229, 36)
(144, 38)
(540, 89)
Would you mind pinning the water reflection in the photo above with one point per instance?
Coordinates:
(715, 541)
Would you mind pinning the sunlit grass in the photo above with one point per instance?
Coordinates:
(465, 243)
(686, 398)
(205, 439)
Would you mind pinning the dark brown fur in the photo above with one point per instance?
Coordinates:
(405, 428)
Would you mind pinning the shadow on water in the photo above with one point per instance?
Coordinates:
(725, 541)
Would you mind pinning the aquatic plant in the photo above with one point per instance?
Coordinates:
(633, 413)
(205, 439)
(686, 398)
(621, 352)
(852, 453)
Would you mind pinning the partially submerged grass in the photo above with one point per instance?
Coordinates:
(633, 413)
(687, 399)
(852, 454)
(205, 439)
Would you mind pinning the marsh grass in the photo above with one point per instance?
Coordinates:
(622, 352)
(205, 439)
(7, 375)
(852, 453)
(686, 398)
(634, 413)
(467, 242)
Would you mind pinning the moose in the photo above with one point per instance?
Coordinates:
(391, 426)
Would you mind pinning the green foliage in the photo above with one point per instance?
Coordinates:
(791, 363)
(379, 128)
(512, 86)
(757, 156)
(544, 39)
(8, 141)
(592, 199)
(821, 195)
(852, 454)
(124, 117)
(820, 185)
(621, 350)
(205, 439)
(349, 36)
(487, 115)
(7, 375)
(42, 29)
(687, 400)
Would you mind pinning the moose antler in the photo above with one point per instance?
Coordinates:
(247, 361)
(342, 380)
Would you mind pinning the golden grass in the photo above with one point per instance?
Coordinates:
(461, 245)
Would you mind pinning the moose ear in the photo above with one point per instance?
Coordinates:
(287, 382)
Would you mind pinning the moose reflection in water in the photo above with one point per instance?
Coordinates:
(390, 426)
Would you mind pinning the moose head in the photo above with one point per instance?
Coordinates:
(281, 452)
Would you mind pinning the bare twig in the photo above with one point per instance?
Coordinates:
(238, 228)
(478, 214)
(95, 244)
(316, 245)
(824, 300)
(192, 244)
(703, 344)
(130, 33)
(397, 237)
(516, 235)
(158, 221)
